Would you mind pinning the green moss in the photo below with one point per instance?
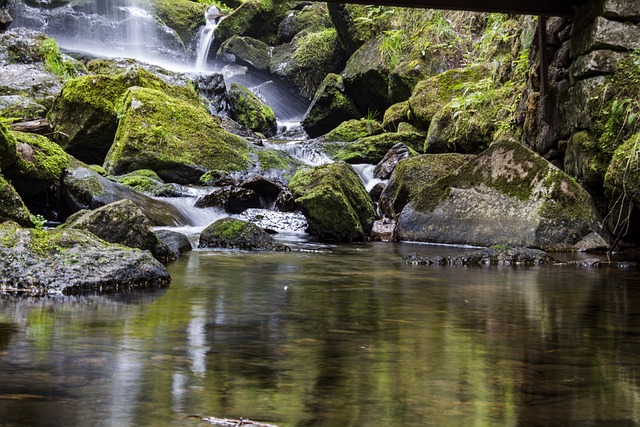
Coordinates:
(351, 130)
(157, 132)
(183, 16)
(7, 146)
(372, 149)
(313, 58)
(623, 176)
(53, 60)
(12, 207)
(565, 199)
(39, 158)
(334, 201)
(231, 229)
(250, 111)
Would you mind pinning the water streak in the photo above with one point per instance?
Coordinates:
(206, 35)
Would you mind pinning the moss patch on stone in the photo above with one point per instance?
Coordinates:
(183, 16)
(334, 201)
(7, 146)
(351, 130)
(250, 111)
(12, 208)
(372, 149)
(39, 158)
(157, 132)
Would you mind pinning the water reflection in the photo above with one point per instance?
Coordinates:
(341, 336)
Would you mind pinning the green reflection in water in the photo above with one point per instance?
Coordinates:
(347, 336)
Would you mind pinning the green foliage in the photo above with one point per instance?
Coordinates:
(38, 221)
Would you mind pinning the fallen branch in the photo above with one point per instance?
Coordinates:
(39, 126)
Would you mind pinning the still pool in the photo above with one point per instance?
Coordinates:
(331, 336)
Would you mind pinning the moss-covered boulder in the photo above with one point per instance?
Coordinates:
(236, 234)
(124, 223)
(353, 23)
(183, 16)
(7, 146)
(372, 149)
(247, 49)
(250, 111)
(83, 188)
(506, 195)
(330, 107)
(19, 106)
(85, 114)
(158, 132)
(308, 59)
(72, 262)
(396, 114)
(413, 174)
(311, 18)
(254, 18)
(12, 207)
(351, 130)
(334, 201)
(39, 164)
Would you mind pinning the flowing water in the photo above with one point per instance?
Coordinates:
(331, 336)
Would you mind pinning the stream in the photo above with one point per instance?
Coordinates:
(331, 336)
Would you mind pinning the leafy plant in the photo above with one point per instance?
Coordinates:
(38, 221)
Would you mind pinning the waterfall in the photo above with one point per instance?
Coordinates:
(365, 172)
(206, 36)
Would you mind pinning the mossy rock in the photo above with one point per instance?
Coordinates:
(144, 180)
(247, 49)
(185, 17)
(432, 94)
(254, 18)
(12, 207)
(157, 132)
(236, 234)
(250, 111)
(22, 107)
(506, 195)
(311, 18)
(372, 149)
(584, 161)
(330, 107)
(72, 262)
(7, 146)
(308, 59)
(623, 174)
(85, 114)
(334, 201)
(396, 114)
(124, 223)
(449, 134)
(351, 130)
(353, 23)
(39, 164)
(413, 174)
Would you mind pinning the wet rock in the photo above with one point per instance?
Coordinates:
(387, 165)
(5, 19)
(156, 131)
(372, 149)
(275, 222)
(488, 256)
(250, 111)
(509, 195)
(383, 230)
(246, 49)
(236, 234)
(334, 201)
(83, 188)
(232, 199)
(12, 207)
(330, 107)
(72, 262)
(21, 107)
(124, 223)
(352, 130)
(254, 18)
(177, 243)
(8, 153)
(266, 189)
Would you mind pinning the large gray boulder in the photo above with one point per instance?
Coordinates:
(507, 195)
(72, 262)
(124, 223)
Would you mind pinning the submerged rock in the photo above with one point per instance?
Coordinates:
(72, 262)
(236, 234)
(487, 256)
(334, 201)
(124, 223)
(506, 195)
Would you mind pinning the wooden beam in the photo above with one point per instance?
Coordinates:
(539, 7)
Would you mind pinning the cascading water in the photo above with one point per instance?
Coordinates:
(206, 36)
(112, 28)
